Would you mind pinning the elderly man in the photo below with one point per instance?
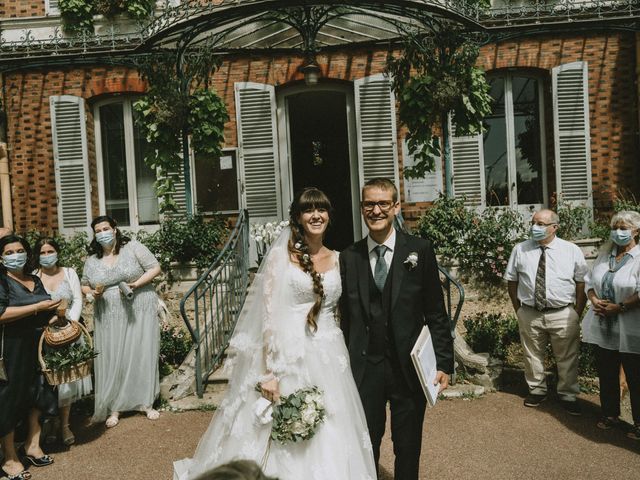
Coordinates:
(546, 287)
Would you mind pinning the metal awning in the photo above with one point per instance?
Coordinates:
(258, 25)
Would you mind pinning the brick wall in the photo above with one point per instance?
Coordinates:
(21, 8)
(612, 91)
(26, 97)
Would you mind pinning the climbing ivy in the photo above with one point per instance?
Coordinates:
(177, 105)
(77, 15)
(435, 75)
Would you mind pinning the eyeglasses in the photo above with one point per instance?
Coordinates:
(384, 205)
(542, 224)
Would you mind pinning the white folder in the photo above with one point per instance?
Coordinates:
(424, 361)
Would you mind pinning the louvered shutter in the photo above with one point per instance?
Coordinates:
(467, 158)
(52, 7)
(376, 126)
(571, 132)
(258, 150)
(70, 156)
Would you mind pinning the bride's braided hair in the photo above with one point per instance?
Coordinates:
(307, 199)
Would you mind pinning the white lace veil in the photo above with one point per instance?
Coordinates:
(260, 344)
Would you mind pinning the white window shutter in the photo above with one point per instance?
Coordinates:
(70, 156)
(258, 150)
(376, 127)
(51, 7)
(467, 160)
(571, 133)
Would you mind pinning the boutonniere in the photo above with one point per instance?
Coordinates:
(412, 260)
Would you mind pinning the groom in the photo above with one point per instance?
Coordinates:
(387, 296)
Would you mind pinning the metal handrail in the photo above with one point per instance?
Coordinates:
(217, 298)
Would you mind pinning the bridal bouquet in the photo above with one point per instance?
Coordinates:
(298, 415)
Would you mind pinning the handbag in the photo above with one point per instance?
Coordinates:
(3, 370)
(59, 336)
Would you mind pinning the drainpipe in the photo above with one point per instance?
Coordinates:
(5, 183)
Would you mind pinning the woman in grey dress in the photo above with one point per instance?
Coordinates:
(62, 283)
(127, 333)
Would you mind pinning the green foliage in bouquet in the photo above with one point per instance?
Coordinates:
(68, 356)
(297, 416)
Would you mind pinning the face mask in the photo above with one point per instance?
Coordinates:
(621, 237)
(48, 260)
(15, 261)
(105, 238)
(539, 233)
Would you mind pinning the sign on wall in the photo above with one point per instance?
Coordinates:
(424, 189)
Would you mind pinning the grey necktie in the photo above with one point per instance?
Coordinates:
(540, 292)
(381, 270)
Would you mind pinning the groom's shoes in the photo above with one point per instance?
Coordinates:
(534, 400)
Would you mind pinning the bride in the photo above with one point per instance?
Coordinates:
(287, 338)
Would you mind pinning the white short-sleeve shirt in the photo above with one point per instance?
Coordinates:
(623, 333)
(565, 265)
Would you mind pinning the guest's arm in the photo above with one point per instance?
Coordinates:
(512, 288)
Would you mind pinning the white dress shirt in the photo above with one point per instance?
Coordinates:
(565, 265)
(623, 333)
(390, 243)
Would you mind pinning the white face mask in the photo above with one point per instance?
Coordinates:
(48, 260)
(15, 261)
(105, 238)
(621, 237)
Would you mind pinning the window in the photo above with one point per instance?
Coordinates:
(216, 182)
(127, 190)
(513, 143)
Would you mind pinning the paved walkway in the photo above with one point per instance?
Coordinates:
(493, 437)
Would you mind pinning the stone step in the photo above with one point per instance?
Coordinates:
(463, 390)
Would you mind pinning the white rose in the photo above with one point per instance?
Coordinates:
(309, 415)
(298, 428)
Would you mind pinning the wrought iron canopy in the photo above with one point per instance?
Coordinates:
(303, 25)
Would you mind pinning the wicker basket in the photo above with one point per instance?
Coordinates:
(68, 374)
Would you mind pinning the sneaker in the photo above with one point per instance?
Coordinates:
(572, 407)
(534, 400)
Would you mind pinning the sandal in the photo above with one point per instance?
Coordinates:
(23, 475)
(634, 432)
(152, 414)
(68, 438)
(42, 461)
(606, 423)
(113, 420)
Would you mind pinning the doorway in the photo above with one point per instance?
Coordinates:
(319, 154)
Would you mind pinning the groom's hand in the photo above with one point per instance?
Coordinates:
(442, 379)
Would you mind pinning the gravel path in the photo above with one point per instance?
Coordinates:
(493, 437)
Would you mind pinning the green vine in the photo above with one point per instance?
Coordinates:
(436, 75)
(77, 15)
(177, 104)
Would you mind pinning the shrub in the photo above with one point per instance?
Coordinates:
(447, 224)
(498, 335)
(183, 241)
(480, 242)
(573, 220)
(489, 243)
(492, 333)
(175, 343)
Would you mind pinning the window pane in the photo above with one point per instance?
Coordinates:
(114, 163)
(526, 118)
(495, 148)
(145, 179)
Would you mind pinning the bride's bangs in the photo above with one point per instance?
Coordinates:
(312, 199)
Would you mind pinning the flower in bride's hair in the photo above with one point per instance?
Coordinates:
(306, 257)
(298, 245)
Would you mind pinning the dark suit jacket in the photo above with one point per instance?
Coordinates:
(416, 299)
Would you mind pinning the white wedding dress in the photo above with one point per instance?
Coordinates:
(341, 447)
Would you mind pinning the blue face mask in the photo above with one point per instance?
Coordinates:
(621, 237)
(15, 261)
(539, 233)
(47, 261)
(105, 238)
